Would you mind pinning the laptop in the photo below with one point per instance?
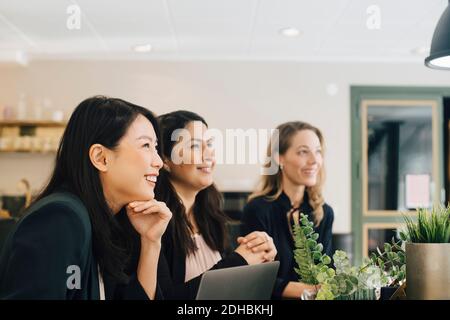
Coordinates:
(254, 282)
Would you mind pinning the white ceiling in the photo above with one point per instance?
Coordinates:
(331, 30)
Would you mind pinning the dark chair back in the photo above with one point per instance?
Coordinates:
(234, 231)
(6, 225)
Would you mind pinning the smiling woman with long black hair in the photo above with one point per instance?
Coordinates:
(69, 244)
(196, 239)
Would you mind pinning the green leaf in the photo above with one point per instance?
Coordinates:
(307, 231)
(324, 269)
(317, 255)
(311, 243)
(331, 273)
(403, 236)
(379, 261)
(431, 226)
(379, 251)
(304, 220)
(326, 259)
(390, 255)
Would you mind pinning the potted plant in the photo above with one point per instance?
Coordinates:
(308, 253)
(428, 254)
(345, 282)
(393, 263)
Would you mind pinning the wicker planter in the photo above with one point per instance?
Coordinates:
(428, 271)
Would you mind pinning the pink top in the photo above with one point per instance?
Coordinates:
(202, 260)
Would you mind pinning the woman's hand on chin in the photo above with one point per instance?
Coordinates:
(149, 218)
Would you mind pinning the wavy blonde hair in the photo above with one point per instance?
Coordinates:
(270, 186)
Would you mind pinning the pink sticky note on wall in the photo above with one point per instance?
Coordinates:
(417, 190)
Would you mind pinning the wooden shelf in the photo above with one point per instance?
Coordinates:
(31, 123)
(29, 136)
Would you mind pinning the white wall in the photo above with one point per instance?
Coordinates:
(228, 94)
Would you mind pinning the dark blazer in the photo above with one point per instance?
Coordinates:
(261, 214)
(172, 283)
(55, 234)
(172, 264)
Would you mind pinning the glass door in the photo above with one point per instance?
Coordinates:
(398, 166)
(400, 156)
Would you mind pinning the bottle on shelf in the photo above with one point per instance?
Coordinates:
(58, 116)
(37, 109)
(8, 113)
(47, 109)
(22, 107)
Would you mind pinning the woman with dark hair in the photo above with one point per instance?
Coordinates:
(69, 244)
(196, 238)
(295, 188)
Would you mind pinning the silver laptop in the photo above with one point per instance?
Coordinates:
(254, 282)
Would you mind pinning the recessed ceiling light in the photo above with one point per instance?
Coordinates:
(420, 51)
(142, 48)
(332, 89)
(290, 32)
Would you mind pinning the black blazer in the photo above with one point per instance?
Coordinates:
(172, 264)
(261, 214)
(173, 270)
(55, 234)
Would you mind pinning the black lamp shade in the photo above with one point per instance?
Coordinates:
(440, 45)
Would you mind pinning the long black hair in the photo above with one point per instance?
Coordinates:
(105, 121)
(208, 214)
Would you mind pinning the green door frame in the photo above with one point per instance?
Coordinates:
(357, 94)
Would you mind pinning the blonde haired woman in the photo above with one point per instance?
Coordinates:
(297, 186)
